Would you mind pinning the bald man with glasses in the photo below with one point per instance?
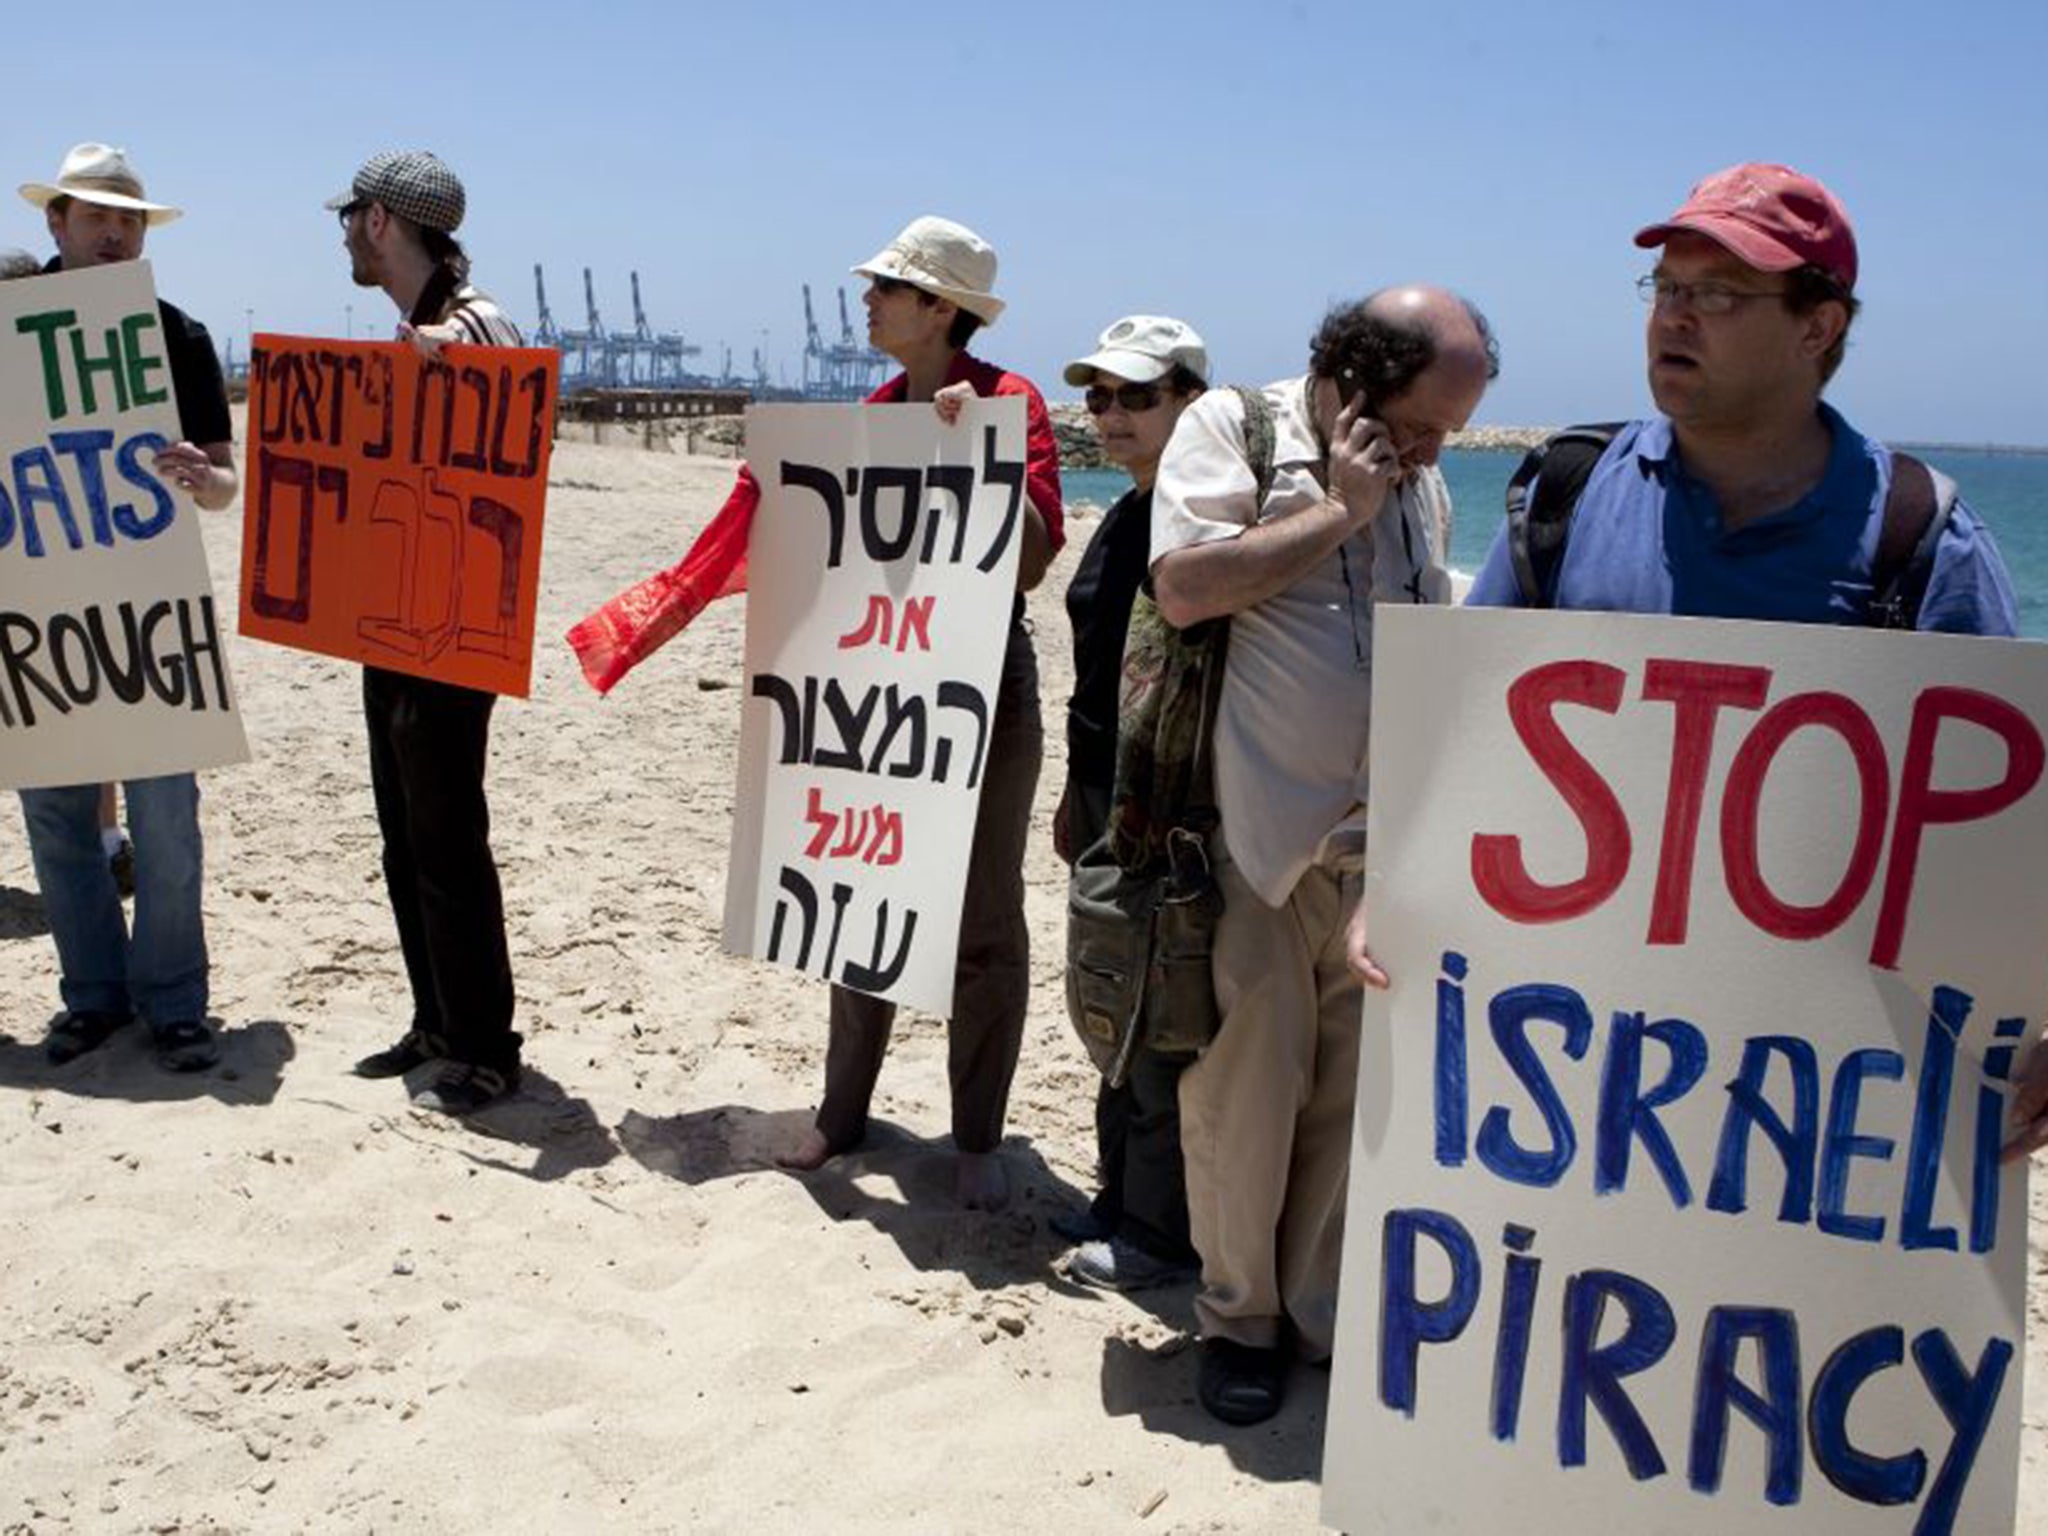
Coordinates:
(1356, 515)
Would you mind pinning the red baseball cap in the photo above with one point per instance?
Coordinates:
(1769, 216)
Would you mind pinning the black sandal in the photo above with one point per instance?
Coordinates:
(185, 1045)
(1239, 1383)
(76, 1033)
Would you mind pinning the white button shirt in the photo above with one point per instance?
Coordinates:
(1294, 723)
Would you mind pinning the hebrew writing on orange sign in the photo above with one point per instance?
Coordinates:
(394, 504)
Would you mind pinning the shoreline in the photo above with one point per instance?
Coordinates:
(721, 437)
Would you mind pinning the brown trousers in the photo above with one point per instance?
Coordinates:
(1266, 1115)
(992, 975)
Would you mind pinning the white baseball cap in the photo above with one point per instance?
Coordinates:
(1142, 348)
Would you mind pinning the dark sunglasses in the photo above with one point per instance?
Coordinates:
(888, 285)
(345, 214)
(1132, 397)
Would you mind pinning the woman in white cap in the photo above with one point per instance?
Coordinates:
(929, 291)
(1143, 374)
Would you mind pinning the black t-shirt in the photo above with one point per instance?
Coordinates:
(195, 375)
(1111, 571)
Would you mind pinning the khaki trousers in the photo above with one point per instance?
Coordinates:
(1266, 1115)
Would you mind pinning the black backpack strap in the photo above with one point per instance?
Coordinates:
(1917, 508)
(1539, 525)
(1260, 440)
(1261, 443)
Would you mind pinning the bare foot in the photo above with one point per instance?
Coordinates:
(980, 1181)
(812, 1152)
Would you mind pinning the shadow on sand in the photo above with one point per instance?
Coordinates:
(251, 1067)
(900, 1184)
(1158, 1385)
(21, 914)
(563, 1132)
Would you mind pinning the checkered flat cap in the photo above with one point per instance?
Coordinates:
(413, 184)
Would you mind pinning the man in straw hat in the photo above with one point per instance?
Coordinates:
(98, 213)
(430, 741)
(929, 290)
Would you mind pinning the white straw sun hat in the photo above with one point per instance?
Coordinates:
(948, 260)
(99, 173)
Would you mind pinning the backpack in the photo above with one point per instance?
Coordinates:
(1172, 679)
(1142, 901)
(1917, 508)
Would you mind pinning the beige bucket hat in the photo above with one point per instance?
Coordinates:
(947, 260)
(99, 173)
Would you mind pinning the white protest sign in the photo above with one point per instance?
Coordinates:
(881, 571)
(1675, 1203)
(112, 661)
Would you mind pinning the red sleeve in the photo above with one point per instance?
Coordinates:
(646, 616)
(1041, 455)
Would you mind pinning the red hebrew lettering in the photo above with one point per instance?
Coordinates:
(853, 828)
(816, 815)
(887, 845)
(917, 620)
(874, 628)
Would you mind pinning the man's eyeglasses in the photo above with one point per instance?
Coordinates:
(888, 285)
(348, 213)
(1132, 397)
(1701, 298)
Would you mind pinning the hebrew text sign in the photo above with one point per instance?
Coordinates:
(394, 505)
(881, 572)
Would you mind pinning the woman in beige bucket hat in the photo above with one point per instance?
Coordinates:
(929, 290)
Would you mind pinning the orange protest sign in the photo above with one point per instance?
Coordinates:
(394, 505)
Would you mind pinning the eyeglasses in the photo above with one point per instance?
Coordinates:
(888, 285)
(348, 213)
(1132, 397)
(1702, 298)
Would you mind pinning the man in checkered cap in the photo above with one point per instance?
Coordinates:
(429, 741)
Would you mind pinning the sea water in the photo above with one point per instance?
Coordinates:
(2008, 490)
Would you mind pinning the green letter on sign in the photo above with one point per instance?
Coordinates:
(44, 328)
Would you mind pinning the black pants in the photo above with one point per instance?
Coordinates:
(992, 973)
(1144, 1195)
(428, 745)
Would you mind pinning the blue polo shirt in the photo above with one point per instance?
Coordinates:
(1647, 538)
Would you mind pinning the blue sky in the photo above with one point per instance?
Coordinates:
(1238, 165)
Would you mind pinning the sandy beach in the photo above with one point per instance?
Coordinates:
(275, 1297)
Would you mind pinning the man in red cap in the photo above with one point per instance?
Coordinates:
(1749, 497)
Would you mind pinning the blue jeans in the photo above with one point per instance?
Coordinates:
(159, 971)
